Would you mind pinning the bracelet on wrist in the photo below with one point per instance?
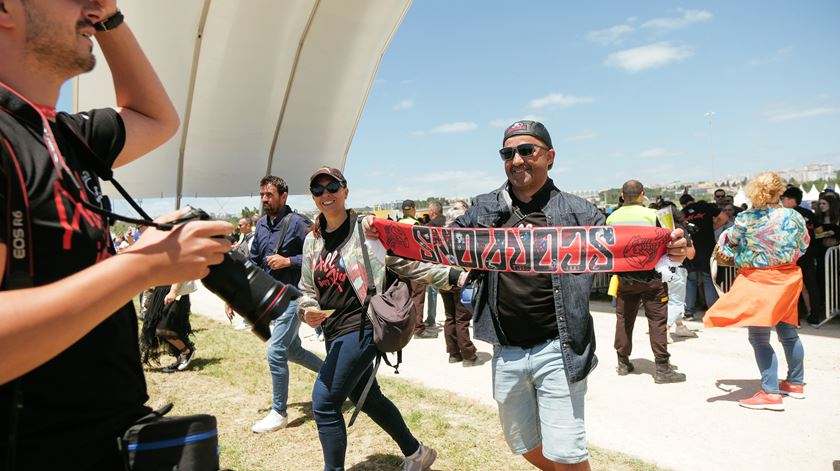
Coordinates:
(110, 23)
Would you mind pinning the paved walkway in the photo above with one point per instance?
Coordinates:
(696, 425)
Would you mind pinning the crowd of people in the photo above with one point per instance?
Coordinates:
(80, 329)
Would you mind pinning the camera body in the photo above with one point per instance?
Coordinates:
(250, 291)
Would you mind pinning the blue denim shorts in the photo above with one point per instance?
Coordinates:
(537, 405)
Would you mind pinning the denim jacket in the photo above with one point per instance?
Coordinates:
(351, 253)
(571, 291)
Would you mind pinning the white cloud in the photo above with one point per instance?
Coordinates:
(612, 35)
(646, 57)
(404, 105)
(460, 126)
(503, 123)
(791, 113)
(558, 100)
(658, 152)
(419, 133)
(777, 56)
(456, 183)
(672, 23)
(582, 136)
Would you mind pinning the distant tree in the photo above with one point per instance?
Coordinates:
(248, 212)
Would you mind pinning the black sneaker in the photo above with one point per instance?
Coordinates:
(173, 367)
(666, 373)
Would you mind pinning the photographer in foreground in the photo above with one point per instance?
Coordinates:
(69, 360)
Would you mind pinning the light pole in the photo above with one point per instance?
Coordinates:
(709, 115)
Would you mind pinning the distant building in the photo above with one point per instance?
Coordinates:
(809, 173)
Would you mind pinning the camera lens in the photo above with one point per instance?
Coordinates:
(250, 291)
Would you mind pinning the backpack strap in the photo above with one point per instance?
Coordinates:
(371, 292)
(365, 391)
(284, 228)
(371, 287)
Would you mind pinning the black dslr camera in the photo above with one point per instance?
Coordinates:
(250, 291)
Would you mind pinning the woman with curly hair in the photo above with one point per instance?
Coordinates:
(764, 244)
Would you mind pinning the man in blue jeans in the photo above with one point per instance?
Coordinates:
(539, 323)
(277, 247)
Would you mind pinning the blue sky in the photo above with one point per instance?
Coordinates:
(622, 86)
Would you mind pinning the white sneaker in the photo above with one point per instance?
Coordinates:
(421, 460)
(273, 421)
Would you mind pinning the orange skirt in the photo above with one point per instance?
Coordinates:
(759, 297)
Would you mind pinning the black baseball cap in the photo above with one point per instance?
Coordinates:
(408, 204)
(528, 128)
(330, 172)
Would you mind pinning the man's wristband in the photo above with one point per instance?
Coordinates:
(107, 25)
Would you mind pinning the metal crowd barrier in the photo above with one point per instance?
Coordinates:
(832, 284)
(725, 278)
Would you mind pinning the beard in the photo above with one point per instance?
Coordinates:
(54, 51)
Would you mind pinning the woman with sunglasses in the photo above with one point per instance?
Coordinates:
(332, 280)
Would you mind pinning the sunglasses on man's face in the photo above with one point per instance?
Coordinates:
(524, 150)
(332, 187)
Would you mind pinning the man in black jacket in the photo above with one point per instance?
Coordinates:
(539, 324)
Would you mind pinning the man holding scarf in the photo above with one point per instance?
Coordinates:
(539, 323)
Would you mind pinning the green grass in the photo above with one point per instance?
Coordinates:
(229, 379)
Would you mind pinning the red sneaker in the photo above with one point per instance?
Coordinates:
(763, 401)
(796, 391)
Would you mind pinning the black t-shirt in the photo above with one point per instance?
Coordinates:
(526, 300)
(335, 290)
(77, 403)
(701, 214)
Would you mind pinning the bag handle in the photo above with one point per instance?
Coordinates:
(155, 414)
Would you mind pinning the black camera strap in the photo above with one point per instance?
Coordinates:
(19, 270)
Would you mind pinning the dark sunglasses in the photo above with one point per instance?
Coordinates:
(524, 150)
(332, 187)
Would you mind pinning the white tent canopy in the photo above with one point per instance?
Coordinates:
(812, 195)
(262, 86)
(740, 198)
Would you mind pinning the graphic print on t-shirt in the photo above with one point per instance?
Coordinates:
(330, 272)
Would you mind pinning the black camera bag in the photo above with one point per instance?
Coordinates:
(157, 443)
